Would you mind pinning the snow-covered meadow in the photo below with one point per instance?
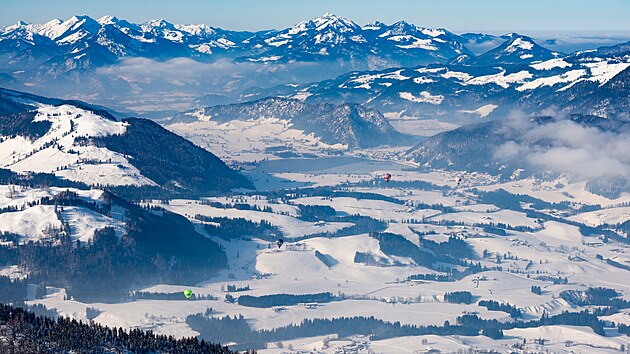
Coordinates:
(533, 256)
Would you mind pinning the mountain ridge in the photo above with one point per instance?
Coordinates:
(465, 91)
(82, 143)
(516, 49)
(326, 38)
(350, 124)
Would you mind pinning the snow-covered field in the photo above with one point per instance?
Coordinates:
(378, 209)
(248, 140)
(606, 216)
(533, 256)
(507, 217)
(292, 226)
(557, 191)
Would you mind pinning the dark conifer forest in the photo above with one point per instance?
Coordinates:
(23, 332)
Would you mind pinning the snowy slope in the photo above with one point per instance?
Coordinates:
(19, 196)
(605, 216)
(84, 222)
(34, 222)
(59, 151)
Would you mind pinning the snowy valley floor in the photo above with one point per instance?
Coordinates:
(531, 253)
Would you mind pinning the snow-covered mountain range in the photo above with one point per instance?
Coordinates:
(105, 61)
(81, 42)
(85, 42)
(517, 75)
(334, 38)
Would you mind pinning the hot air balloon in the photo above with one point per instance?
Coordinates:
(279, 242)
(458, 180)
(387, 177)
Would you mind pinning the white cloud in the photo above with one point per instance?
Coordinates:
(188, 76)
(509, 151)
(563, 146)
(179, 69)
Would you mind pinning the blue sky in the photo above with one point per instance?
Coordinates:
(456, 15)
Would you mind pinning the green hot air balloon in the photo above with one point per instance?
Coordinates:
(188, 293)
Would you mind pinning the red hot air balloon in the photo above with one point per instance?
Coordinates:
(387, 177)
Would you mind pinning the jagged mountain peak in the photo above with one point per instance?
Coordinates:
(79, 18)
(329, 19)
(162, 23)
(404, 25)
(321, 36)
(81, 21)
(70, 30)
(328, 23)
(158, 27)
(197, 29)
(45, 29)
(19, 24)
(325, 39)
(53, 22)
(108, 20)
(332, 38)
